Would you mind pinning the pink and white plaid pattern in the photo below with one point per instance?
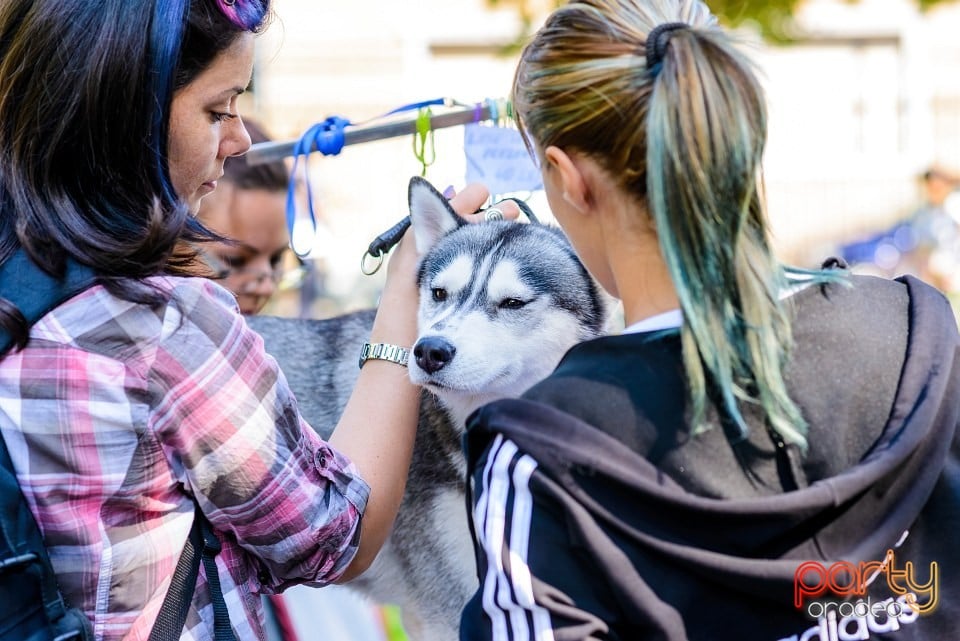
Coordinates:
(117, 414)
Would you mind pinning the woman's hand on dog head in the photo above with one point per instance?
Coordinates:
(466, 203)
(472, 197)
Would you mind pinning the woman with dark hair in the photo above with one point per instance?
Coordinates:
(147, 394)
(757, 431)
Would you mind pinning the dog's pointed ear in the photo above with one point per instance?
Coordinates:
(431, 215)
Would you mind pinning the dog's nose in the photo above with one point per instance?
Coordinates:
(433, 353)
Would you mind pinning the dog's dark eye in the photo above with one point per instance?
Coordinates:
(439, 294)
(512, 303)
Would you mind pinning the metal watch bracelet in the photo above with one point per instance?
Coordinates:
(384, 352)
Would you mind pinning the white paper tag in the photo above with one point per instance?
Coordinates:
(497, 157)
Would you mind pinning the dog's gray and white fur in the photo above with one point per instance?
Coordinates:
(500, 303)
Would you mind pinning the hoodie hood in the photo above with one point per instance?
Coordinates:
(700, 560)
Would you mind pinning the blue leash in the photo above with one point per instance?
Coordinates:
(327, 137)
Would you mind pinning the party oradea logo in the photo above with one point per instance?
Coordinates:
(836, 596)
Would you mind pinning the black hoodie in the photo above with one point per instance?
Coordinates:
(597, 515)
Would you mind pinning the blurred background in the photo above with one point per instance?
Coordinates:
(861, 97)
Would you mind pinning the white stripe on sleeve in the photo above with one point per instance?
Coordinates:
(484, 512)
(502, 593)
(519, 547)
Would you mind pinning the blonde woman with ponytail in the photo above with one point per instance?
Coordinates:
(699, 475)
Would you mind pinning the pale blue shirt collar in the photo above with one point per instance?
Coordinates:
(665, 320)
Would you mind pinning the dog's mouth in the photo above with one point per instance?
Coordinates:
(443, 386)
(438, 387)
(454, 382)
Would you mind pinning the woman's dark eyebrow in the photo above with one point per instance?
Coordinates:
(232, 91)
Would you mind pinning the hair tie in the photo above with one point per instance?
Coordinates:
(657, 41)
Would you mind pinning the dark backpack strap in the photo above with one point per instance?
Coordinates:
(176, 603)
(35, 292)
(22, 550)
(24, 561)
(211, 547)
(202, 545)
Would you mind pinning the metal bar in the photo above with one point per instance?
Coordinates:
(270, 151)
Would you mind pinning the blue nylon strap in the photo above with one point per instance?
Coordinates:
(328, 137)
(415, 106)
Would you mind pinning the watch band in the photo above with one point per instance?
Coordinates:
(384, 352)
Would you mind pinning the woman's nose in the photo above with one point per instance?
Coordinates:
(236, 140)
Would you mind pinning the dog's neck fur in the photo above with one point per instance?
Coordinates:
(460, 408)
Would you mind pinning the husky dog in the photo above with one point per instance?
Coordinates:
(500, 303)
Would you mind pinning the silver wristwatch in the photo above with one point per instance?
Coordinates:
(384, 352)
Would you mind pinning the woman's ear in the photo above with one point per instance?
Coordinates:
(570, 179)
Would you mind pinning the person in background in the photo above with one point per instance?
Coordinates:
(925, 244)
(145, 399)
(248, 209)
(935, 255)
(765, 452)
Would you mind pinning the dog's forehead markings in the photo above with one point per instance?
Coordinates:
(505, 282)
(455, 276)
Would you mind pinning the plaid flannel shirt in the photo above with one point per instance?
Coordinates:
(117, 416)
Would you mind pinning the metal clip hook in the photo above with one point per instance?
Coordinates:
(383, 244)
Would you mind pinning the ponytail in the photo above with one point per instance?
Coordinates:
(706, 127)
(662, 100)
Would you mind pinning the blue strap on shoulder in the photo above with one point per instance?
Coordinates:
(35, 292)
